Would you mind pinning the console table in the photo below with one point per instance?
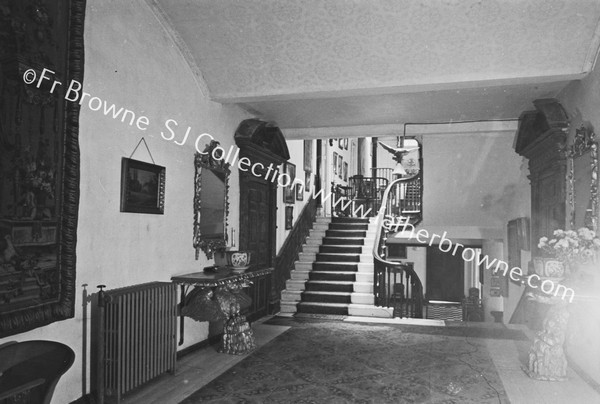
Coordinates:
(221, 293)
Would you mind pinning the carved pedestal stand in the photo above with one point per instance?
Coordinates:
(547, 359)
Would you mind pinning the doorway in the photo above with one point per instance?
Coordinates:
(257, 219)
(445, 275)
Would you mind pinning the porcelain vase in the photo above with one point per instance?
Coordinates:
(549, 267)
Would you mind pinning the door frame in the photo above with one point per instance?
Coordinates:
(245, 179)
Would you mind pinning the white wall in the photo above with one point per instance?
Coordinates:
(132, 61)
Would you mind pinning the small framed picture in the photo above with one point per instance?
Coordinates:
(142, 187)
(346, 144)
(299, 192)
(335, 162)
(289, 217)
(345, 171)
(307, 178)
(340, 167)
(289, 192)
(308, 154)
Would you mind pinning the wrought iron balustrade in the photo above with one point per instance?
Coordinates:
(361, 197)
(396, 284)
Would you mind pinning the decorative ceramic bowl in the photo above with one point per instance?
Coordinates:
(239, 259)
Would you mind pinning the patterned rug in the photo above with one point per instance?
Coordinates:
(320, 361)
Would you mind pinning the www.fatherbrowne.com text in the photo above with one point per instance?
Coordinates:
(401, 223)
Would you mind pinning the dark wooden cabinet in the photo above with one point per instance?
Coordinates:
(541, 138)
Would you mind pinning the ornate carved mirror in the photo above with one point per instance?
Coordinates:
(211, 201)
(41, 44)
(583, 179)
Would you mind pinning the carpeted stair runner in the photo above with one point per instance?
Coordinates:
(335, 267)
(334, 274)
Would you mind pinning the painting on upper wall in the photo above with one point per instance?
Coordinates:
(308, 155)
(299, 192)
(340, 167)
(289, 217)
(41, 54)
(142, 187)
(341, 143)
(345, 171)
(289, 192)
(335, 162)
(307, 181)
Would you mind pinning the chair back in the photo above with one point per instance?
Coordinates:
(32, 369)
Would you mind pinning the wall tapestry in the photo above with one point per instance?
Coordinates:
(41, 54)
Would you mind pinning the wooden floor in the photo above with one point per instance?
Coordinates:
(199, 368)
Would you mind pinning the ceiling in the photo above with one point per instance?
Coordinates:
(314, 63)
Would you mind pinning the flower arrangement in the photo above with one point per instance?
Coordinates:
(572, 247)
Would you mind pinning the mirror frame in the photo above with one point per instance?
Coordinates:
(583, 143)
(63, 307)
(207, 160)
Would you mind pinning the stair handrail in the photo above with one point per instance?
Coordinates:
(408, 268)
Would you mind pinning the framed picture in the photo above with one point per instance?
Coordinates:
(340, 166)
(307, 178)
(142, 187)
(346, 144)
(290, 191)
(335, 162)
(341, 143)
(308, 154)
(289, 217)
(345, 171)
(299, 192)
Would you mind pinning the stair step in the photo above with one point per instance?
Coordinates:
(306, 248)
(332, 276)
(337, 257)
(349, 220)
(335, 266)
(349, 226)
(327, 297)
(339, 249)
(329, 286)
(295, 285)
(343, 241)
(323, 308)
(346, 233)
(323, 219)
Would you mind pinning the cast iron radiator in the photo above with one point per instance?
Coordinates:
(137, 334)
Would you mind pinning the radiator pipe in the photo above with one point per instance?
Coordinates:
(100, 362)
(181, 326)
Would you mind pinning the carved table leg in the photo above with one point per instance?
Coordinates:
(547, 359)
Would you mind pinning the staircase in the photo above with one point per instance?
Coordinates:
(334, 272)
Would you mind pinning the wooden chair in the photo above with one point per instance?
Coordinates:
(30, 370)
(472, 307)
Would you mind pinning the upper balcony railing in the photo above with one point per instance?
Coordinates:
(360, 198)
